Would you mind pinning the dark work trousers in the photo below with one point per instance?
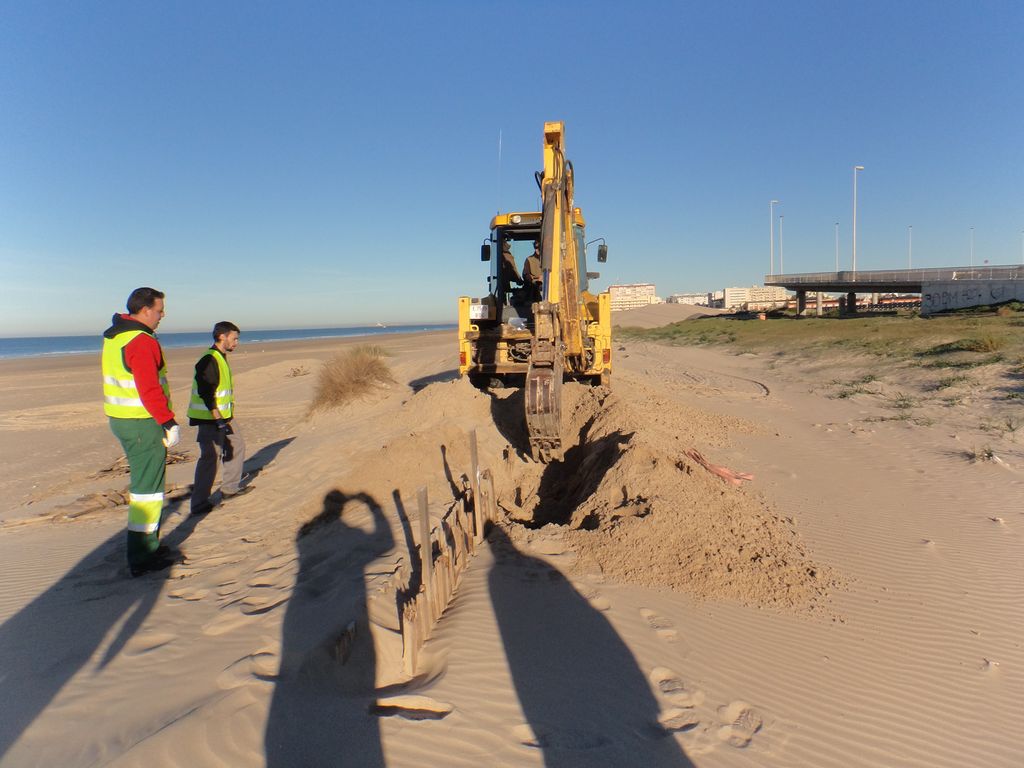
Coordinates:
(212, 443)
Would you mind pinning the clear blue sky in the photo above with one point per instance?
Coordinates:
(323, 164)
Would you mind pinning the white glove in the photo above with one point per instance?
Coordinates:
(172, 436)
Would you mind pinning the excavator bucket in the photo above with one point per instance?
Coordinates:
(544, 413)
(544, 386)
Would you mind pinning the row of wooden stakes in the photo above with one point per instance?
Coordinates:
(445, 552)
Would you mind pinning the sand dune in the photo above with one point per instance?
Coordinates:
(657, 315)
(857, 603)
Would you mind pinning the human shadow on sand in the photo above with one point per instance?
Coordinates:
(256, 463)
(583, 694)
(46, 643)
(320, 710)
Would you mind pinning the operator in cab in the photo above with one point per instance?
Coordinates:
(533, 276)
(508, 262)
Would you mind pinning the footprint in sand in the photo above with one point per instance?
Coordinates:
(255, 605)
(147, 642)
(544, 737)
(599, 602)
(596, 599)
(740, 723)
(258, 666)
(676, 719)
(228, 619)
(188, 593)
(411, 707)
(274, 563)
(663, 627)
(674, 690)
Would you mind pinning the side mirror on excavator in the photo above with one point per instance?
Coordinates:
(485, 252)
(602, 253)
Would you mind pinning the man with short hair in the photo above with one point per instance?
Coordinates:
(211, 408)
(533, 275)
(137, 402)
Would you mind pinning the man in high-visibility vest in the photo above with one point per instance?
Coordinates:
(137, 400)
(212, 408)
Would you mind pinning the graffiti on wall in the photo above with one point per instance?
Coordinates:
(937, 297)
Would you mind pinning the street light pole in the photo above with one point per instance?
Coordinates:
(782, 268)
(837, 247)
(972, 246)
(771, 235)
(855, 169)
(910, 245)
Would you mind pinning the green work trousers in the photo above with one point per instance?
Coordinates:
(143, 443)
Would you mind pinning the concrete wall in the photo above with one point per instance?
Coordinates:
(957, 294)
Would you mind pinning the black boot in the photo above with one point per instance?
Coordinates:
(163, 557)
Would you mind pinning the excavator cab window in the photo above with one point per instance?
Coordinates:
(581, 257)
(505, 281)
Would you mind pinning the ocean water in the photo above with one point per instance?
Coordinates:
(71, 345)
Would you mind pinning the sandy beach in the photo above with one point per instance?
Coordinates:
(858, 602)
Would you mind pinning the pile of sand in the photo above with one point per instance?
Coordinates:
(626, 498)
(633, 505)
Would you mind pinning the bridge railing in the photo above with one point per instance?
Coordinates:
(941, 274)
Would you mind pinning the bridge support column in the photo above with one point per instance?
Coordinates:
(819, 299)
(801, 302)
(851, 303)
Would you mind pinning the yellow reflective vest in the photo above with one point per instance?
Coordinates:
(121, 397)
(224, 395)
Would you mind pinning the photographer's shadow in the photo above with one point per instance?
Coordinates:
(320, 710)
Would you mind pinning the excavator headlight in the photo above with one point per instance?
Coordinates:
(517, 219)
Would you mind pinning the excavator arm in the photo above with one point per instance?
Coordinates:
(558, 335)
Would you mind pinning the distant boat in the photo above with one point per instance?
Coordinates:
(381, 325)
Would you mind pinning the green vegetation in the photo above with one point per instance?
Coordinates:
(946, 341)
(952, 381)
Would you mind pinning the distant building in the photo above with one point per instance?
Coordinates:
(632, 296)
(755, 297)
(696, 299)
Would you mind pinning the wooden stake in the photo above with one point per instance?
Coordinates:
(426, 550)
(475, 482)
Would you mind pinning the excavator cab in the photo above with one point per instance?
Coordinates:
(536, 333)
(513, 294)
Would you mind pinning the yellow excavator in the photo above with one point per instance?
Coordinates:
(545, 324)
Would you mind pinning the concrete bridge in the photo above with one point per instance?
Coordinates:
(940, 288)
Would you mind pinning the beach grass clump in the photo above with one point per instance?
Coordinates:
(903, 401)
(951, 381)
(960, 363)
(350, 375)
(986, 342)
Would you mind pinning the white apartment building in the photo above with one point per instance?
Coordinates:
(696, 299)
(754, 297)
(632, 295)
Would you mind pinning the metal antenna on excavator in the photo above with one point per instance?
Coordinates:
(499, 173)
